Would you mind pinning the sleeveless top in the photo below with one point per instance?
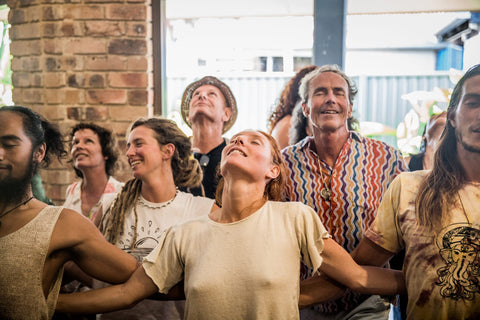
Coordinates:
(23, 255)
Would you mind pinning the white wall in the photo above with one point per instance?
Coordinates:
(471, 53)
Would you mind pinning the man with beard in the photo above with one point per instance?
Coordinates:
(210, 109)
(434, 216)
(37, 239)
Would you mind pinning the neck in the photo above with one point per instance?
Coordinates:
(6, 206)
(428, 158)
(94, 180)
(158, 191)
(206, 137)
(240, 199)
(469, 161)
(329, 144)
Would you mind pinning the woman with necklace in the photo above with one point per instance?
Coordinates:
(160, 156)
(242, 261)
(94, 157)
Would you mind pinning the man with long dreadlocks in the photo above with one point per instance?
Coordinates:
(160, 155)
(434, 215)
(36, 239)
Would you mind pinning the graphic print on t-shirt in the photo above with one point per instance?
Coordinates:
(147, 240)
(460, 250)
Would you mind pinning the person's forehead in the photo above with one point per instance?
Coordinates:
(141, 132)
(328, 79)
(86, 132)
(472, 85)
(208, 87)
(251, 134)
(11, 123)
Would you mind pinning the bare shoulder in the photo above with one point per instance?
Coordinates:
(70, 220)
(71, 229)
(280, 131)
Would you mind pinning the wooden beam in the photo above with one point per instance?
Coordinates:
(410, 6)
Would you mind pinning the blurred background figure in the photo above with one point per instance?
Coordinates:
(94, 156)
(433, 130)
(300, 127)
(279, 121)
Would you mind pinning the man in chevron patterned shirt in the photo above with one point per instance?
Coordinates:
(342, 176)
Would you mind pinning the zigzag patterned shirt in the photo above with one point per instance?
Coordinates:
(361, 174)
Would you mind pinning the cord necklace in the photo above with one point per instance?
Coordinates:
(14, 208)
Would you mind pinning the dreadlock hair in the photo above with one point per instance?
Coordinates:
(113, 220)
(274, 188)
(440, 187)
(185, 168)
(107, 143)
(40, 131)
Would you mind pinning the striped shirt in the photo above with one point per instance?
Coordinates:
(361, 174)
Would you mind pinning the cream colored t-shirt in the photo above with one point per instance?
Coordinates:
(243, 270)
(153, 219)
(442, 272)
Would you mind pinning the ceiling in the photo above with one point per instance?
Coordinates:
(188, 9)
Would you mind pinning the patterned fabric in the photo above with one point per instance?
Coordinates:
(74, 197)
(361, 174)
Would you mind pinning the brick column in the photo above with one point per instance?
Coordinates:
(82, 60)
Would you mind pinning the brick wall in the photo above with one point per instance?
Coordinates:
(82, 60)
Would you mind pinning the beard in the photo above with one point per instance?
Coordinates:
(465, 145)
(13, 190)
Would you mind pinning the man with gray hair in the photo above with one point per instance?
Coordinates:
(341, 175)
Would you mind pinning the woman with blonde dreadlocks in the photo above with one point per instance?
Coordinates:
(160, 155)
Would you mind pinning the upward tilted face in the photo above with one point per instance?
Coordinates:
(208, 103)
(87, 150)
(466, 118)
(328, 105)
(249, 152)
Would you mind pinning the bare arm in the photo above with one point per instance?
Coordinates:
(318, 289)
(76, 238)
(370, 254)
(121, 296)
(340, 266)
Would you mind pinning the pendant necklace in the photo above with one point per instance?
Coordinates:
(14, 208)
(326, 191)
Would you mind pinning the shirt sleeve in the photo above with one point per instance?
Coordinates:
(313, 233)
(164, 265)
(385, 230)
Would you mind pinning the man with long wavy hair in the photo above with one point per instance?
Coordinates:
(434, 215)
